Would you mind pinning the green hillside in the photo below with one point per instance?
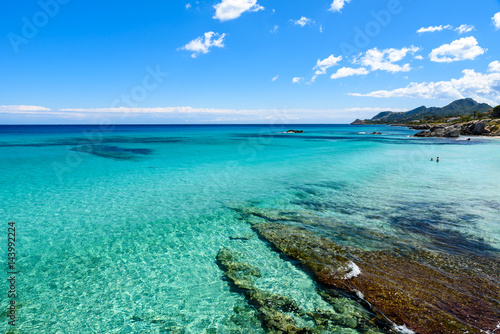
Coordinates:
(455, 109)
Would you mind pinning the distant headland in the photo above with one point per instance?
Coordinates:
(461, 117)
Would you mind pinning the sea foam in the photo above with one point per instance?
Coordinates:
(354, 270)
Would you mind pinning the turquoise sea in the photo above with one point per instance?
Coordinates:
(118, 227)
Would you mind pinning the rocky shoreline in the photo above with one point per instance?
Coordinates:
(429, 292)
(485, 127)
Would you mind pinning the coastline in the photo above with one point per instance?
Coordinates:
(461, 117)
(345, 213)
(402, 287)
(487, 128)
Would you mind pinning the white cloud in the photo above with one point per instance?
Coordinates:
(348, 71)
(496, 20)
(232, 9)
(372, 60)
(431, 90)
(191, 110)
(275, 78)
(494, 66)
(482, 87)
(465, 28)
(297, 80)
(320, 28)
(303, 21)
(205, 43)
(188, 110)
(337, 5)
(434, 28)
(188, 5)
(419, 57)
(221, 114)
(189, 115)
(374, 109)
(275, 29)
(385, 59)
(160, 110)
(325, 64)
(460, 49)
(22, 109)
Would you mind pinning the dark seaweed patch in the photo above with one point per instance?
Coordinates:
(442, 239)
(327, 206)
(105, 140)
(334, 185)
(324, 226)
(429, 220)
(315, 197)
(113, 152)
(310, 191)
(378, 139)
(491, 204)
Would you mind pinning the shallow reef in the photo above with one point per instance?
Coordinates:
(428, 291)
(280, 314)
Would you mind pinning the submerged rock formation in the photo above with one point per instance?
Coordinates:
(279, 314)
(271, 308)
(429, 292)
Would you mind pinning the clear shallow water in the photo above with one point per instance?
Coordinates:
(122, 235)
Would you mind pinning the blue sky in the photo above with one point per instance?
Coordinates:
(242, 61)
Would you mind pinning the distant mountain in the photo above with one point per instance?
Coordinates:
(454, 109)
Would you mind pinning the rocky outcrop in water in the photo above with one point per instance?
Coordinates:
(429, 292)
(441, 130)
(420, 127)
(295, 131)
(279, 314)
(485, 127)
(481, 128)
